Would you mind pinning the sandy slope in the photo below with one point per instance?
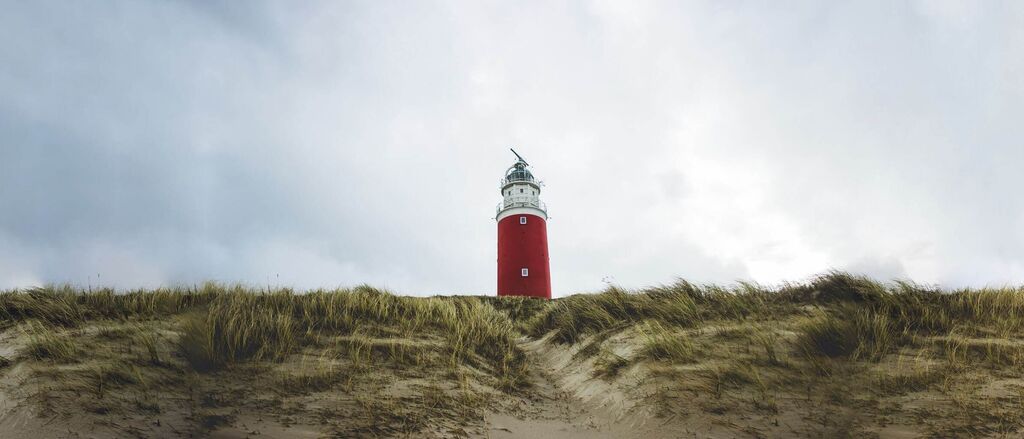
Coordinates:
(567, 398)
(680, 401)
(564, 401)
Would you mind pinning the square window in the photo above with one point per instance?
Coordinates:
(526, 272)
(520, 191)
(522, 220)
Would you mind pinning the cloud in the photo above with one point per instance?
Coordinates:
(336, 144)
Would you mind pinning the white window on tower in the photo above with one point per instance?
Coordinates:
(520, 191)
(526, 272)
(522, 220)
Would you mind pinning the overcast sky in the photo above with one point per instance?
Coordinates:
(331, 144)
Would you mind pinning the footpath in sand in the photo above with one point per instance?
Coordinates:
(566, 401)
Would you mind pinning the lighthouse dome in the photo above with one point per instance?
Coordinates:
(518, 172)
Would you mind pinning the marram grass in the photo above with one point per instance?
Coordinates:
(846, 318)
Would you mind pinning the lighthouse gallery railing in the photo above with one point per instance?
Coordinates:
(520, 202)
(516, 178)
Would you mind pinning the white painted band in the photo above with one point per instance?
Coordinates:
(521, 211)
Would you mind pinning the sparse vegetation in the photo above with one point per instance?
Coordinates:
(809, 351)
(609, 364)
(663, 344)
(852, 334)
(49, 344)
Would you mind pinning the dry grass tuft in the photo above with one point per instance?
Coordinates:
(48, 344)
(915, 380)
(608, 364)
(858, 334)
(664, 344)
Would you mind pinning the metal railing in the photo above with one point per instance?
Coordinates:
(516, 179)
(521, 202)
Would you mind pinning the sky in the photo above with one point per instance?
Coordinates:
(331, 144)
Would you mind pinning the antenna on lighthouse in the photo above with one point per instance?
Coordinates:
(519, 157)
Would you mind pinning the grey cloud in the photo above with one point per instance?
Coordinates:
(331, 144)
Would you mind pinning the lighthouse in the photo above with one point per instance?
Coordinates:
(522, 235)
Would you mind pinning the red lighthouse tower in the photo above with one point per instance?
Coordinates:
(522, 235)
